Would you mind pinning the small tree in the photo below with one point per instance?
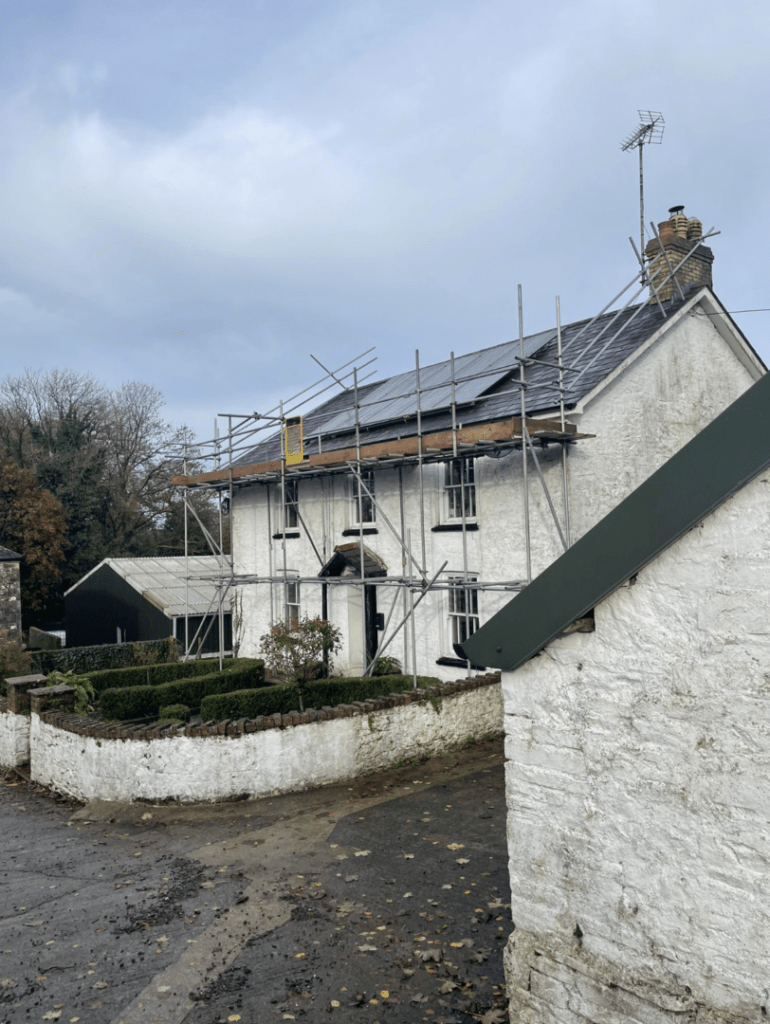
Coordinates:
(297, 650)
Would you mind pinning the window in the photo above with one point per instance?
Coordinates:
(290, 504)
(463, 608)
(367, 502)
(291, 603)
(460, 489)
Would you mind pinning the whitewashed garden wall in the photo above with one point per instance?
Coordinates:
(259, 757)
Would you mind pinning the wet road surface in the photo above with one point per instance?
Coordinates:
(381, 900)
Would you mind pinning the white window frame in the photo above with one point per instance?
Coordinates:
(288, 495)
(292, 606)
(459, 484)
(368, 507)
(462, 607)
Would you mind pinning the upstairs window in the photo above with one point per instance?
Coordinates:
(367, 504)
(290, 518)
(463, 608)
(460, 489)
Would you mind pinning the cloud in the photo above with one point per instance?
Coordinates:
(203, 209)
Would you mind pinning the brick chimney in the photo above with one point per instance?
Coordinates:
(678, 234)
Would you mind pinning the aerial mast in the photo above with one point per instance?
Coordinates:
(651, 125)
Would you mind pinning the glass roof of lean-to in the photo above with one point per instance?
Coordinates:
(474, 374)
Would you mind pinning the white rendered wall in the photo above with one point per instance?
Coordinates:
(273, 761)
(638, 793)
(14, 739)
(650, 411)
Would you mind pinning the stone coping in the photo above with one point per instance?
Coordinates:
(239, 727)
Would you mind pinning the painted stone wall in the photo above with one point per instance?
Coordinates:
(263, 757)
(14, 737)
(638, 792)
(650, 411)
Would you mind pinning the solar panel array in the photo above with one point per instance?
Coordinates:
(474, 374)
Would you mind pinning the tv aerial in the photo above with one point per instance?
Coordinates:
(651, 125)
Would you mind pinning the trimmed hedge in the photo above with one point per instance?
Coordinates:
(83, 660)
(141, 701)
(321, 693)
(153, 675)
(174, 713)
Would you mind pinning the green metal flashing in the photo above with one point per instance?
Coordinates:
(715, 464)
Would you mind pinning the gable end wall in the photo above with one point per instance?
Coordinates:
(638, 792)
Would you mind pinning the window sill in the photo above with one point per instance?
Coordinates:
(356, 532)
(289, 535)
(454, 527)
(458, 663)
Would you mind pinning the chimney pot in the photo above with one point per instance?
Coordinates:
(677, 235)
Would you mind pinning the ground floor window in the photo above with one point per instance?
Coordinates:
(463, 608)
(291, 603)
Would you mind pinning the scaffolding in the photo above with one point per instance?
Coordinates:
(418, 448)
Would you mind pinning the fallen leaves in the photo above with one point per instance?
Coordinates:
(6, 983)
(367, 949)
(455, 846)
(101, 984)
(492, 1016)
(362, 853)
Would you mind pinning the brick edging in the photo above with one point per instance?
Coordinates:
(242, 726)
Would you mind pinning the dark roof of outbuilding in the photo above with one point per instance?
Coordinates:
(716, 463)
(6, 555)
(591, 353)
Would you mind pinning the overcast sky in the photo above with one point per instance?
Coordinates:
(199, 194)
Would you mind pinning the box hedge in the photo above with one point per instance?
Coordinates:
(174, 713)
(142, 701)
(273, 700)
(153, 675)
(83, 660)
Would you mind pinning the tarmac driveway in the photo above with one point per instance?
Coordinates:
(385, 899)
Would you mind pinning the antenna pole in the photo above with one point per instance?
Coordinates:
(641, 210)
(651, 127)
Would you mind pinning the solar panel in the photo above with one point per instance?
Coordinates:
(396, 397)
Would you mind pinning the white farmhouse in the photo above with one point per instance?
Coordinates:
(637, 756)
(413, 492)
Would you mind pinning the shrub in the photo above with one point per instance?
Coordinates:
(141, 701)
(274, 700)
(387, 666)
(84, 660)
(174, 713)
(152, 675)
(84, 691)
(296, 650)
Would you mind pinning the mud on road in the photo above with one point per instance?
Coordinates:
(383, 900)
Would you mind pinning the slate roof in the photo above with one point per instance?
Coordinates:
(6, 555)
(716, 463)
(162, 582)
(591, 354)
